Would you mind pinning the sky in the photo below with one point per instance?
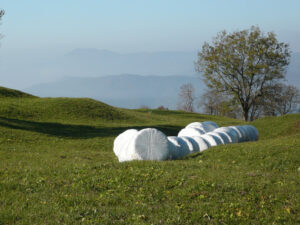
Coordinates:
(140, 25)
(35, 32)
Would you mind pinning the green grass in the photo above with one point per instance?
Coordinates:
(57, 167)
(11, 93)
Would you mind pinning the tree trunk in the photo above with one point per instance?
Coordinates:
(246, 114)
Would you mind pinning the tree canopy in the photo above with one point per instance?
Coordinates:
(242, 64)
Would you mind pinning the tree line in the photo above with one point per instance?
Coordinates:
(244, 72)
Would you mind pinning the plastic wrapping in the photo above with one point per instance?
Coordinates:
(241, 133)
(190, 132)
(253, 132)
(191, 143)
(206, 126)
(152, 144)
(202, 143)
(178, 148)
(213, 140)
(122, 142)
(231, 133)
(224, 136)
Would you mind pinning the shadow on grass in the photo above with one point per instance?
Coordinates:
(77, 131)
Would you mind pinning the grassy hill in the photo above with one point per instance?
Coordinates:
(11, 93)
(57, 167)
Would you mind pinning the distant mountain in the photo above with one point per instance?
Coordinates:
(87, 73)
(22, 69)
(128, 91)
(94, 62)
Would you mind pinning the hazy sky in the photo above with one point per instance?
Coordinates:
(38, 34)
(140, 25)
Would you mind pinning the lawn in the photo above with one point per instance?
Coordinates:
(57, 167)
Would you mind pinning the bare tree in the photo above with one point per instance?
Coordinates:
(1, 15)
(216, 103)
(186, 98)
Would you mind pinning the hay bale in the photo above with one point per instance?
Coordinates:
(230, 132)
(244, 132)
(152, 144)
(202, 143)
(225, 137)
(122, 142)
(178, 148)
(206, 126)
(149, 144)
(212, 139)
(191, 143)
(190, 132)
(241, 133)
(253, 132)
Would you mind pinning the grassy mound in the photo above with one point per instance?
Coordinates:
(60, 109)
(11, 93)
(57, 167)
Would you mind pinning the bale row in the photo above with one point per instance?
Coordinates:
(152, 144)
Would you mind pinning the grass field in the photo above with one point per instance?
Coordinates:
(57, 167)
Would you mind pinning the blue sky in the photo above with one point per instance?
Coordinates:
(140, 25)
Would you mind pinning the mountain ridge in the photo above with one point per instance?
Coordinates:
(126, 90)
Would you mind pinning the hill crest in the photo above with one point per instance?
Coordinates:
(12, 93)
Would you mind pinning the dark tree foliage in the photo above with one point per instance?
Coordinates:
(242, 64)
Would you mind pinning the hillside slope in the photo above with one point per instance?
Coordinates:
(60, 109)
(12, 93)
(57, 167)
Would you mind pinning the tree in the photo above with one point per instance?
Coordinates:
(242, 64)
(1, 15)
(215, 103)
(186, 98)
(280, 99)
(161, 107)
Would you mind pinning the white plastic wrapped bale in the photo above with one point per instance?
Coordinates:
(203, 144)
(225, 137)
(196, 125)
(190, 132)
(211, 125)
(230, 132)
(213, 140)
(241, 133)
(174, 147)
(219, 137)
(149, 144)
(178, 148)
(246, 133)
(253, 132)
(122, 142)
(206, 126)
(191, 143)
